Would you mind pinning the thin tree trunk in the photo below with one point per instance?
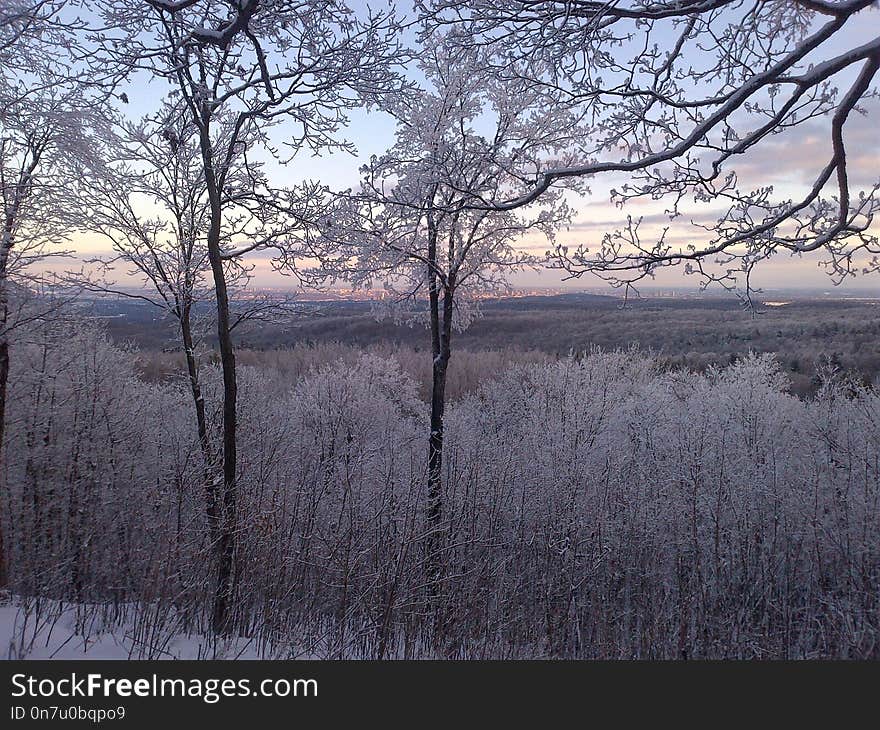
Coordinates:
(435, 456)
(5, 247)
(441, 337)
(212, 498)
(10, 221)
(4, 379)
(220, 619)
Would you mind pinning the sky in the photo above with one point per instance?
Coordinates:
(789, 161)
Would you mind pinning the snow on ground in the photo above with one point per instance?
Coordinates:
(64, 631)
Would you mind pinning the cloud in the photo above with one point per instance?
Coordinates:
(797, 155)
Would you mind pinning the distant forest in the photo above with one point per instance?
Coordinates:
(682, 333)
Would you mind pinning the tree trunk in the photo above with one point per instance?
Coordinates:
(5, 247)
(212, 498)
(10, 222)
(441, 336)
(435, 444)
(4, 379)
(226, 541)
(220, 620)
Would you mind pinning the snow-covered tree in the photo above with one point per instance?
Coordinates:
(242, 70)
(422, 221)
(48, 119)
(149, 201)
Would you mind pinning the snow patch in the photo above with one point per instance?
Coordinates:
(51, 630)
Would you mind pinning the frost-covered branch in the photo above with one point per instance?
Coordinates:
(681, 99)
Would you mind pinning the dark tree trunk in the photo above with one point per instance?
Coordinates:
(10, 221)
(441, 348)
(4, 380)
(212, 498)
(226, 541)
(442, 353)
(5, 247)
(225, 544)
